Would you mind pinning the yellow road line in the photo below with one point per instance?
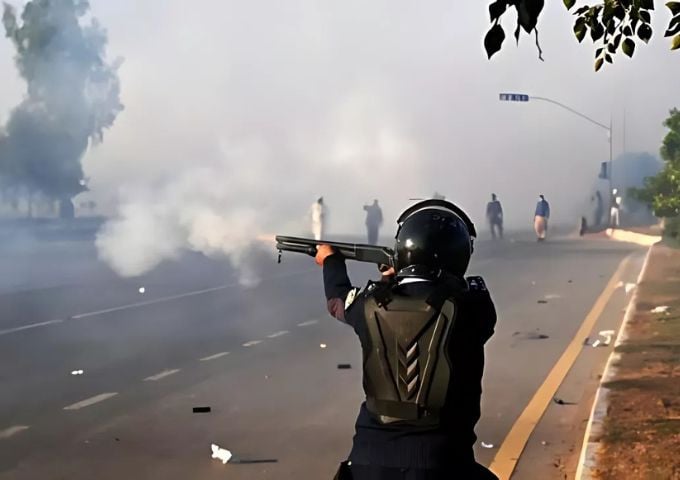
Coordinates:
(510, 450)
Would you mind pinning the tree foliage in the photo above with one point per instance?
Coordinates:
(613, 25)
(662, 192)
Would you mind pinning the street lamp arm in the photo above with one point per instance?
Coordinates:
(602, 125)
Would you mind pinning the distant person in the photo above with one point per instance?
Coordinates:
(494, 215)
(318, 217)
(374, 220)
(599, 208)
(615, 211)
(541, 217)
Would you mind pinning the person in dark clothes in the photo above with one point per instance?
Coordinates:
(541, 217)
(422, 330)
(494, 215)
(374, 220)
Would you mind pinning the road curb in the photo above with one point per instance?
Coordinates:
(632, 237)
(587, 465)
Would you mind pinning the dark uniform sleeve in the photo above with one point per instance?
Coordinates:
(340, 294)
(481, 310)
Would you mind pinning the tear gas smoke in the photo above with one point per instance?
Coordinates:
(72, 96)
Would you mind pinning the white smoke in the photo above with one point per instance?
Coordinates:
(246, 189)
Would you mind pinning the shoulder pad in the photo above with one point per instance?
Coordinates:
(476, 284)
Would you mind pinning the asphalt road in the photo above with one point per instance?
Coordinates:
(263, 359)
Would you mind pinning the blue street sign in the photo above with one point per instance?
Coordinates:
(513, 97)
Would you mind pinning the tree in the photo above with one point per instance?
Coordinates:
(662, 192)
(614, 25)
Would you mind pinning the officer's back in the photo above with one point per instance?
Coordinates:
(422, 331)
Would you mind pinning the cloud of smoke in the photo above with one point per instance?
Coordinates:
(72, 96)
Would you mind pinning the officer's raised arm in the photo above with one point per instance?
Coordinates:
(337, 286)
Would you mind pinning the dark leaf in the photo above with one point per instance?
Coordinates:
(647, 4)
(608, 12)
(644, 32)
(497, 8)
(611, 48)
(627, 31)
(675, 44)
(518, 30)
(598, 64)
(494, 39)
(569, 3)
(611, 27)
(617, 40)
(598, 52)
(634, 23)
(674, 7)
(597, 32)
(620, 12)
(528, 12)
(582, 10)
(628, 47)
(645, 16)
(673, 27)
(626, 3)
(608, 58)
(580, 29)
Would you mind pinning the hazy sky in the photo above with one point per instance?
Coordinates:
(280, 102)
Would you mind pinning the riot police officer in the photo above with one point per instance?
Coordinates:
(422, 332)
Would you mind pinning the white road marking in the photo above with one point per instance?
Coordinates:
(163, 374)
(11, 431)
(91, 401)
(181, 295)
(214, 357)
(307, 323)
(252, 343)
(28, 327)
(278, 334)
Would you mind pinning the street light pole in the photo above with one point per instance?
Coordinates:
(519, 97)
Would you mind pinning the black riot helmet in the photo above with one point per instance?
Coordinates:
(434, 236)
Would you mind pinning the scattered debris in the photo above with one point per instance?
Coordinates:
(531, 335)
(77, 372)
(202, 409)
(596, 343)
(142, 289)
(607, 334)
(544, 443)
(559, 401)
(586, 342)
(220, 453)
(344, 366)
(570, 281)
(630, 287)
(117, 439)
(323, 345)
(487, 445)
(542, 301)
(552, 296)
(660, 309)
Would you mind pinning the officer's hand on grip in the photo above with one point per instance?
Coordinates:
(322, 252)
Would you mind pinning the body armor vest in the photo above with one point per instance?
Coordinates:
(406, 364)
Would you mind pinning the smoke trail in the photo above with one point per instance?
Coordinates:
(72, 97)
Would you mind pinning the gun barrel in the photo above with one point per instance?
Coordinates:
(352, 251)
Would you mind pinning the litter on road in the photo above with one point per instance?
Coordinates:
(660, 309)
(323, 345)
(542, 301)
(344, 366)
(220, 453)
(77, 372)
(142, 289)
(487, 445)
(202, 409)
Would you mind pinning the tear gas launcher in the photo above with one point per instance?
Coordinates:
(381, 256)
